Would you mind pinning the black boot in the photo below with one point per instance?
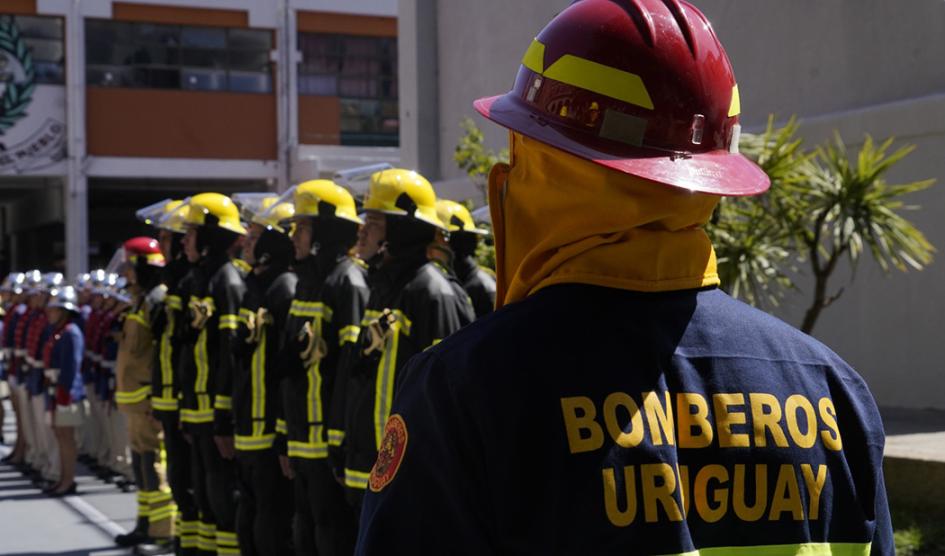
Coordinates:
(136, 536)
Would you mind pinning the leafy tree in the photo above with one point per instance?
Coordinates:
(474, 158)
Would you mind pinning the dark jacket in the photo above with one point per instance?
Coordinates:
(587, 420)
(478, 283)
(167, 318)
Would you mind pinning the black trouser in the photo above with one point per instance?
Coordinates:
(178, 473)
(215, 490)
(325, 523)
(264, 520)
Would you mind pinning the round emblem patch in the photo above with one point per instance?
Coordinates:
(391, 453)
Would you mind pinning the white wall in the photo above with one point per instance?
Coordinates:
(860, 66)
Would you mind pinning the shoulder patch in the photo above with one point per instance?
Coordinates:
(391, 453)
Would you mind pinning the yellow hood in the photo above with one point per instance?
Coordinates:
(559, 219)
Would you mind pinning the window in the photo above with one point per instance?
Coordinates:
(362, 72)
(146, 55)
(43, 38)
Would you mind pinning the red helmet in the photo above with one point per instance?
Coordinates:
(145, 250)
(640, 86)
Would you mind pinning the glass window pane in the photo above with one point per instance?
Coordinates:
(359, 46)
(109, 76)
(108, 32)
(160, 78)
(358, 88)
(251, 60)
(49, 72)
(45, 49)
(162, 35)
(254, 39)
(203, 37)
(204, 58)
(250, 82)
(321, 85)
(203, 80)
(40, 27)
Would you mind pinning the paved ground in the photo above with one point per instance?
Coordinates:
(32, 524)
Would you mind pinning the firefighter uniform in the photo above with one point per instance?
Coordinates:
(323, 325)
(642, 410)
(215, 291)
(133, 392)
(265, 506)
(413, 305)
(477, 282)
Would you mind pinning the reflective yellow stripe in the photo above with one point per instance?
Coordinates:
(174, 302)
(165, 353)
(164, 404)
(258, 372)
(348, 334)
(246, 316)
(224, 403)
(589, 75)
(384, 387)
(310, 309)
(189, 532)
(335, 437)
(136, 396)
(252, 443)
(401, 322)
(138, 317)
(202, 362)
(196, 416)
(805, 549)
(229, 322)
(207, 539)
(308, 450)
(736, 107)
(281, 426)
(356, 479)
(163, 513)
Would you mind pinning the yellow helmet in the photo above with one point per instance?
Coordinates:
(266, 209)
(311, 195)
(457, 218)
(221, 207)
(399, 191)
(164, 215)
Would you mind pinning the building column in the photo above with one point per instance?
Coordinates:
(417, 44)
(75, 188)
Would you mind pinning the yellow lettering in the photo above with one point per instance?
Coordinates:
(620, 518)
(683, 471)
(740, 493)
(787, 496)
(815, 486)
(659, 417)
(578, 442)
(659, 484)
(625, 439)
(766, 416)
(724, 419)
(687, 420)
(700, 493)
(806, 439)
(828, 414)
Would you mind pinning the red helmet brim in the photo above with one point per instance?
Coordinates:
(715, 172)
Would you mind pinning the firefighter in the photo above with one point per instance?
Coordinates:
(117, 465)
(62, 359)
(641, 409)
(215, 293)
(143, 262)
(413, 306)
(165, 384)
(464, 238)
(14, 287)
(321, 332)
(265, 506)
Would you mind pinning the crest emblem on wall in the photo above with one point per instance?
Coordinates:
(17, 75)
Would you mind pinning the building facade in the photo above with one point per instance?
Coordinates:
(106, 106)
(851, 66)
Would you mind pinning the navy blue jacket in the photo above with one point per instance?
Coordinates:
(587, 420)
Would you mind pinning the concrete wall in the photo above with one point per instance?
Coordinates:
(859, 66)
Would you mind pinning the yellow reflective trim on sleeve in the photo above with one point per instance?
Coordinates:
(229, 322)
(281, 426)
(356, 479)
(138, 317)
(174, 302)
(307, 450)
(224, 403)
(335, 437)
(164, 404)
(805, 549)
(736, 107)
(590, 75)
(310, 309)
(254, 443)
(136, 396)
(349, 334)
(196, 416)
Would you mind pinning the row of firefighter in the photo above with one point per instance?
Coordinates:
(237, 370)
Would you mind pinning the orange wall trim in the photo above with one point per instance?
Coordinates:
(126, 11)
(21, 7)
(346, 24)
(181, 124)
(319, 120)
